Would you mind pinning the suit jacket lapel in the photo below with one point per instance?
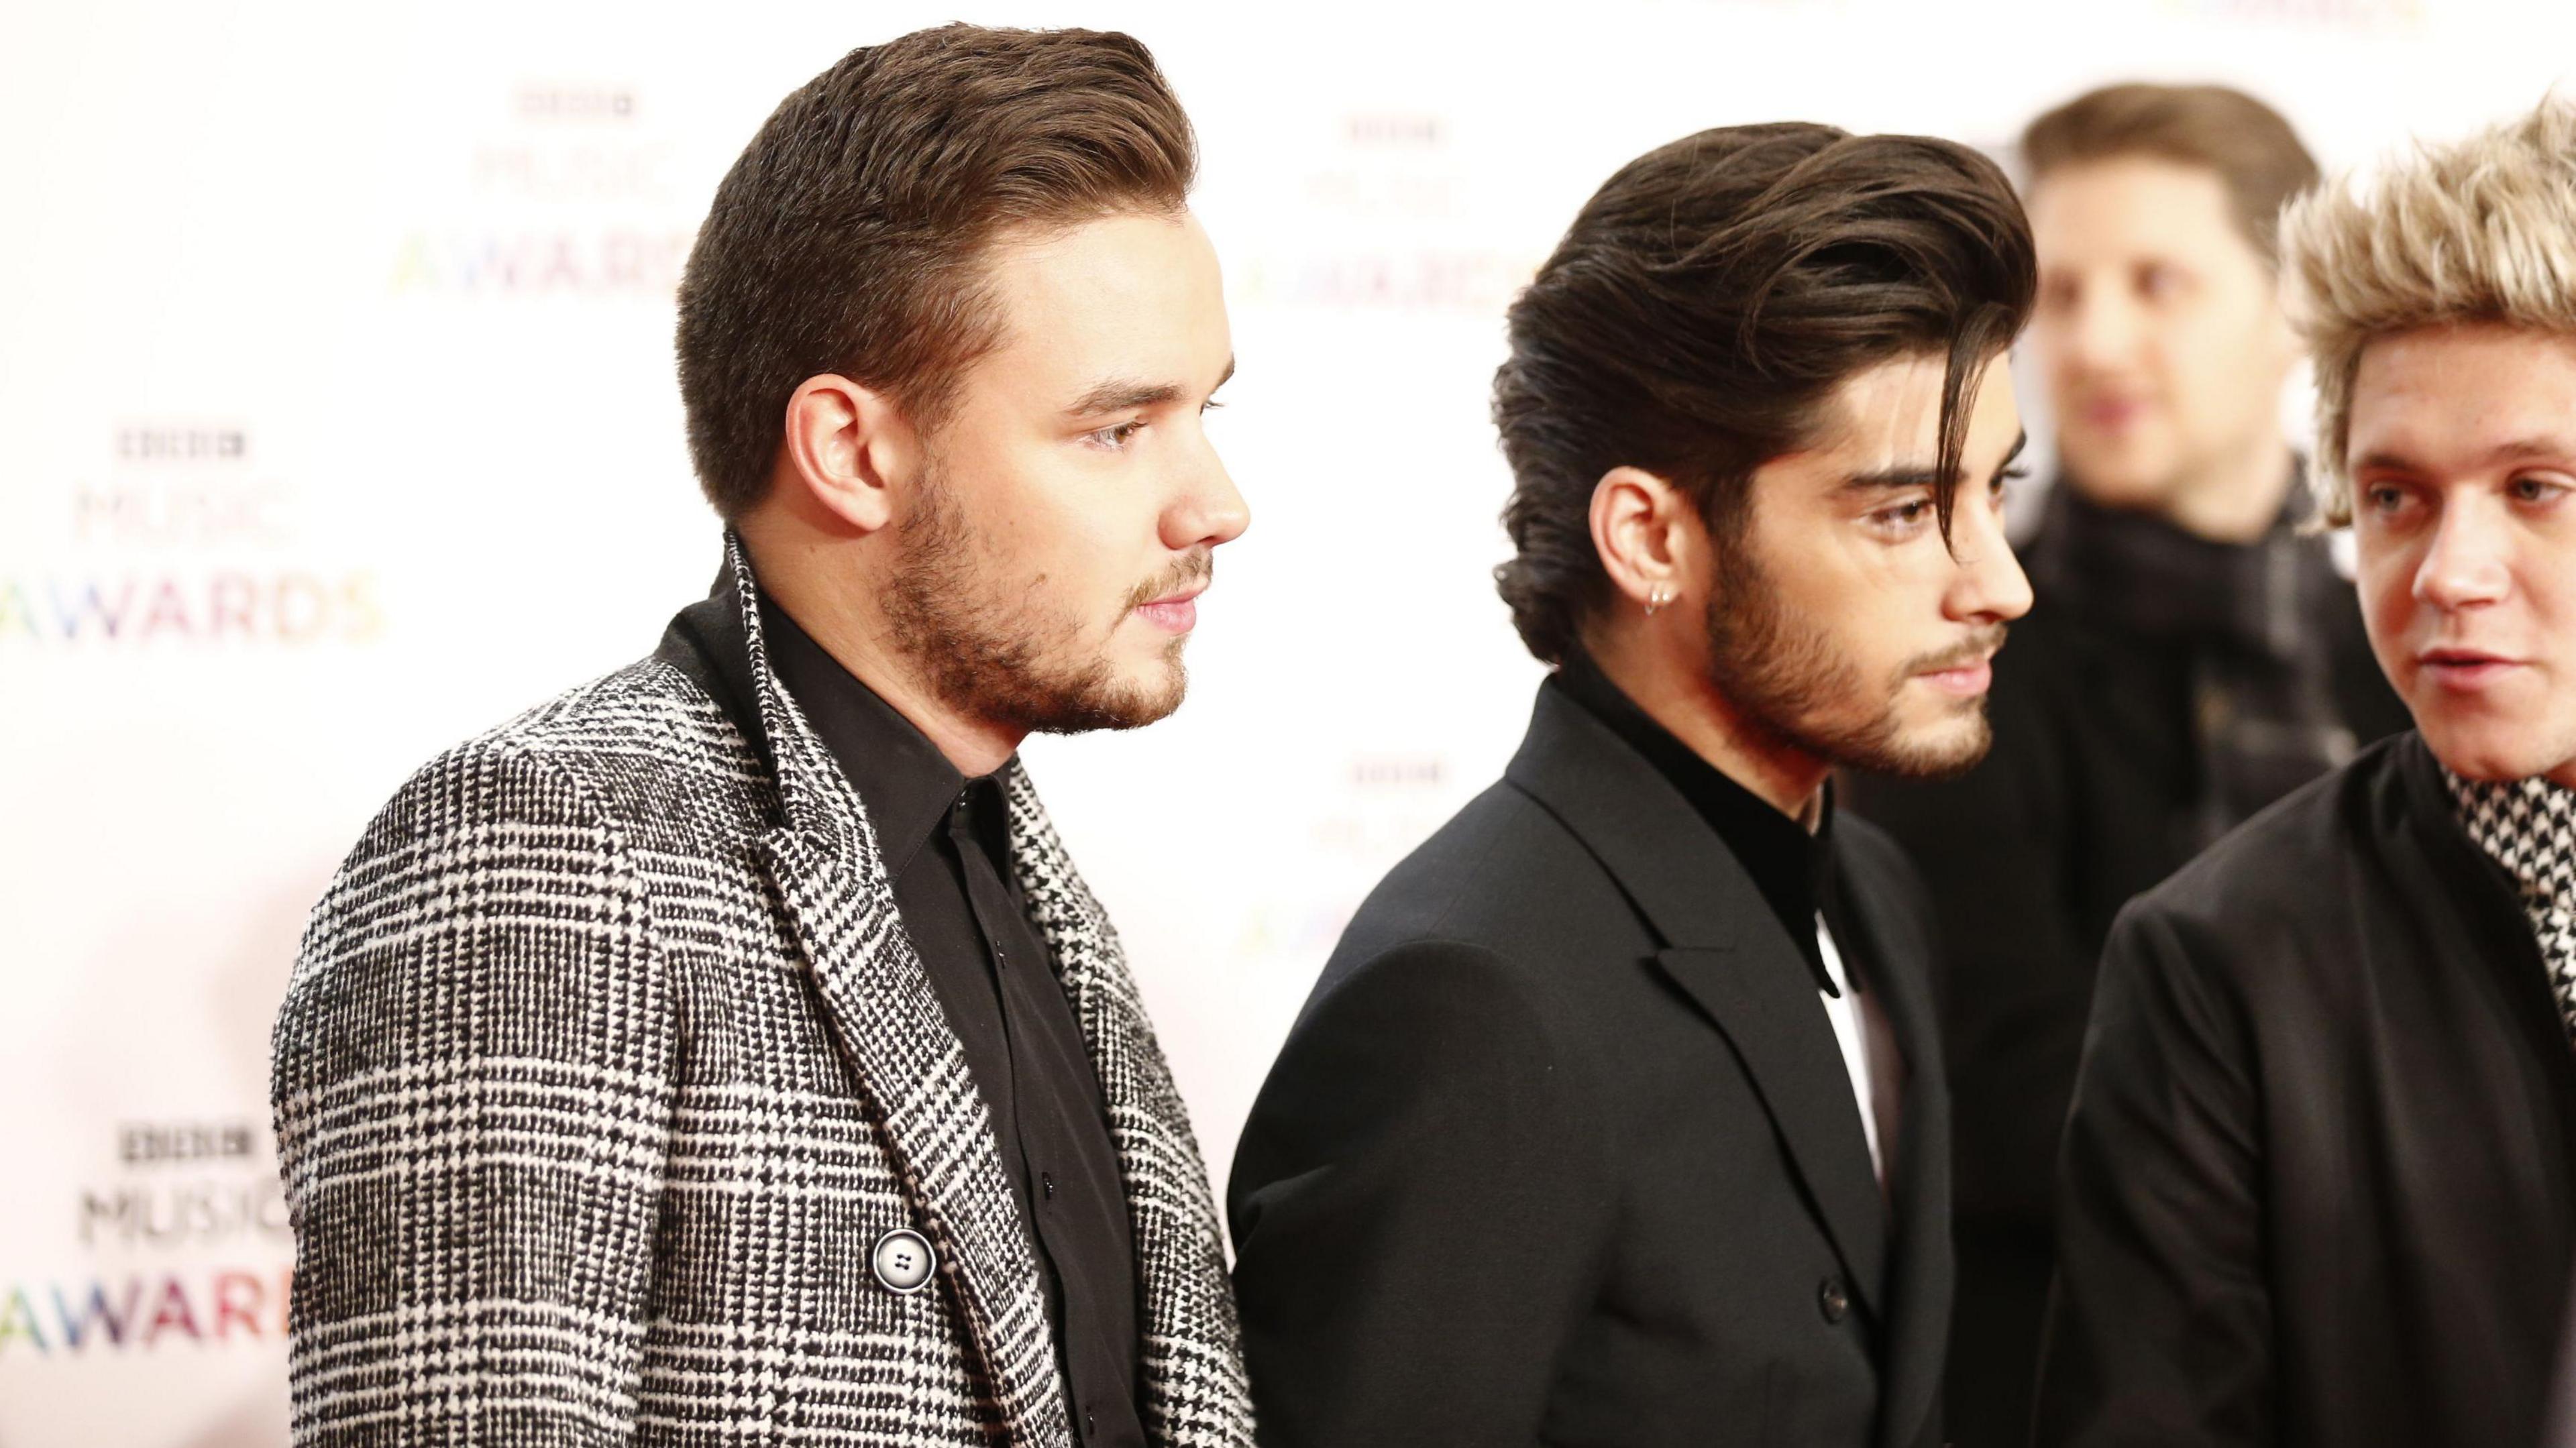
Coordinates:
(1194, 1389)
(1921, 1268)
(888, 1023)
(1727, 953)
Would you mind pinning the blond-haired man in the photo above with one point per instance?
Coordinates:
(2319, 1183)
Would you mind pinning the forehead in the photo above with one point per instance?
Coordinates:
(2447, 397)
(1131, 293)
(1889, 414)
(2136, 202)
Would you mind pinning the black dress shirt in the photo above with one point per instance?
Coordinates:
(946, 845)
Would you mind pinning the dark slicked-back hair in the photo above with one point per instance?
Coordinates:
(2257, 156)
(1698, 316)
(851, 234)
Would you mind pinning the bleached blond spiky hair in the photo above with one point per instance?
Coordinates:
(2480, 230)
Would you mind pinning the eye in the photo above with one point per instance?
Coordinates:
(2384, 500)
(1903, 520)
(1115, 437)
(1210, 405)
(2529, 489)
(2158, 281)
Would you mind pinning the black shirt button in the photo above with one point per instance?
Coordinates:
(1046, 1184)
(1831, 1298)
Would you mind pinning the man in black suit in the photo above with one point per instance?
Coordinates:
(2319, 1183)
(1617, 1117)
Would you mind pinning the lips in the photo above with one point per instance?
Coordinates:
(1964, 680)
(2466, 670)
(2110, 414)
(1175, 613)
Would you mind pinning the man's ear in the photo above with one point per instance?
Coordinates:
(847, 448)
(1638, 528)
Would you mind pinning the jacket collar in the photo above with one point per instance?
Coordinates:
(1726, 950)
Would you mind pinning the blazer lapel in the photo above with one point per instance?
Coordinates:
(1921, 1269)
(1195, 1394)
(1726, 952)
(1768, 1009)
(897, 1043)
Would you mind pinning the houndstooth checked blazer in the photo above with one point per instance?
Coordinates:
(606, 1061)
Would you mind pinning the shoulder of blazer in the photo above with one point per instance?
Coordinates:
(639, 742)
(2277, 866)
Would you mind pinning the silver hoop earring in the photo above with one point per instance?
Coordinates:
(1656, 598)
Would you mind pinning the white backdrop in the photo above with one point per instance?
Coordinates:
(337, 422)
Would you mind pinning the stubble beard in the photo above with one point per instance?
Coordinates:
(1004, 654)
(1788, 682)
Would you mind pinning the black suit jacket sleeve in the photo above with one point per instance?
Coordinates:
(2161, 1331)
(1424, 1169)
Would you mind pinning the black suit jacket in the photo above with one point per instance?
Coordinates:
(1563, 1150)
(2317, 1181)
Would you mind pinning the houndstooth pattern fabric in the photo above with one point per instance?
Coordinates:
(2529, 827)
(606, 1062)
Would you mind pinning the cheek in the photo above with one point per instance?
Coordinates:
(2384, 578)
(2553, 607)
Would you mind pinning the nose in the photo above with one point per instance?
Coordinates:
(1989, 586)
(2099, 328)
(1207, 509)
(2465, 565)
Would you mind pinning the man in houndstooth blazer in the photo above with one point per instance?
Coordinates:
(614, 1100)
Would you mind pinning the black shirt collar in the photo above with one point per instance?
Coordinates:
(907, 785)
(1790, 866)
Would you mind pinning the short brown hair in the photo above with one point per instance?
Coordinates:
(1701, 311)
(850, 235)
(2251, 147)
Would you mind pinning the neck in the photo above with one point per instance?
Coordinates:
(2238, 498)
(818, 581)
(1675, 693)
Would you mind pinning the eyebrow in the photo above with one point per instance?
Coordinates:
(1122, 394)
(1917, 475)
(2534, 445)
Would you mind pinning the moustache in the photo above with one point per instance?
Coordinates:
(1195, 567)
(1979, 644)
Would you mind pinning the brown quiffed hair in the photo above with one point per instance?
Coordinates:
(1700, 313)
(850, 235)
(2257, 156)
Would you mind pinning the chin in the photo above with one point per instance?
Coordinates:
(2495, 751)
(1933, 751)
(1146, 693)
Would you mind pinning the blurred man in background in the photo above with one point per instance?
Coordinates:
(728, 1050)
(1617, 1116)
(2320, 1175)
(2191, 657)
